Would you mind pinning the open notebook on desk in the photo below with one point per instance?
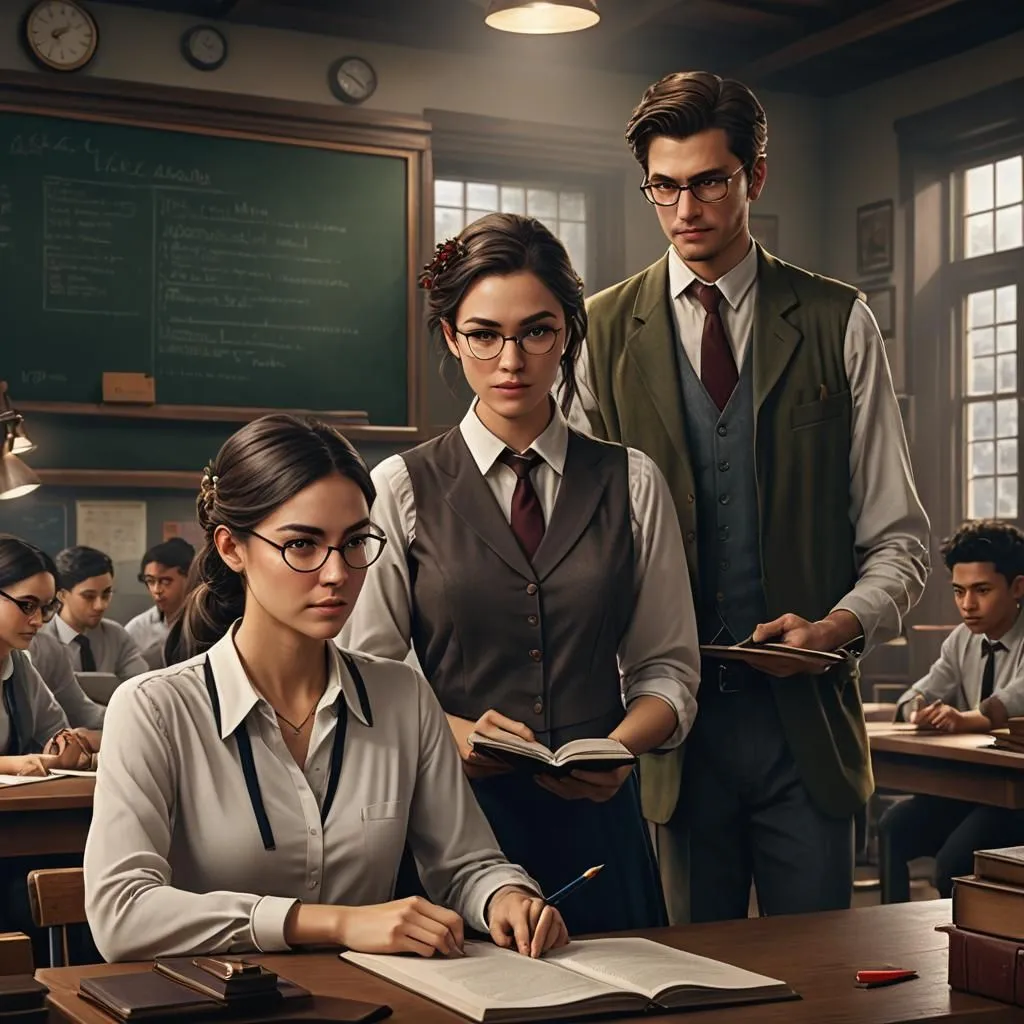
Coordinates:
(588, 976)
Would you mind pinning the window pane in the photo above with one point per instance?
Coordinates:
(1008, 228)
(981, 498)
(1006, 456)
(1006, 304)
(1006, 417)
(980, 307)
(981, 376)
(983, 459)
(978, 189)
(446, 223)
(981, 343)
(447, 193)
(978, 240)
(1008, 181)
(1006, 498)
(542, 203)
(513, 200)
(981, 420)
(472, 215)
(482, 196)
(572, 206)
(1006, 338)
(575, 238)
(1006, 373)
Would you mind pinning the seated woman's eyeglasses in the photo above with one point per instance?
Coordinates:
(359, 551)
(712, 189)
(30, 605)
(487, 344)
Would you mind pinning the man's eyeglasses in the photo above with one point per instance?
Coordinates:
(156, 582)
(30, 605)
(487, 344)
(359, 551)
(712, 189)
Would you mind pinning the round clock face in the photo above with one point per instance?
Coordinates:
(61, 35)
(352, 79)
(205, 47)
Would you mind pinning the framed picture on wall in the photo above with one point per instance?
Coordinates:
(875, 238)
(764, 227)
(881, 300)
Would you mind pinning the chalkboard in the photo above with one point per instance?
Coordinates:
(234, 270)
(42, 523)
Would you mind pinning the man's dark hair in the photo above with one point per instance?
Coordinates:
(175, 553)
(81, 563)
(987, 540)
(687, 102)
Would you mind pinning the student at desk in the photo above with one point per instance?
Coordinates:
(976, 684)
(164, 571)
(539, 575)
(91, 642)
(259, 795)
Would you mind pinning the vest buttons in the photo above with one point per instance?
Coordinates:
(723, 466)
(690, 536)
(724, 563)
(690, 499)
(724, 499)
(722, 430)
(538, 706)
(536, 655)
(720, 597)
(532, 620)
(531, 588)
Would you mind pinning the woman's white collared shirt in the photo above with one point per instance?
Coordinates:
(174, 862)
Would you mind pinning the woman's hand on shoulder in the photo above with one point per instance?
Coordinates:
(411, 925)
(520, 919)
(491, 722)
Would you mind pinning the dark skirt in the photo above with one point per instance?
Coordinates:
(556, 840)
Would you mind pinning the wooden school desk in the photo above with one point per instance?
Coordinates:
(817, 954)
(45, 817)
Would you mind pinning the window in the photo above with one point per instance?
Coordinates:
(993, 208)
(460, 202)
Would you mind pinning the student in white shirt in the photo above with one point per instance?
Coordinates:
(259, 795)
(164, 571)
(91, 642)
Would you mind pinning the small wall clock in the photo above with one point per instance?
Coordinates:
(204, 47)
(352, 79)
(61, 34)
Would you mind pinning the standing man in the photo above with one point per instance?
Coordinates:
(763, 393)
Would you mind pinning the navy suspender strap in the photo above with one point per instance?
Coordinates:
(11, 707)
(241, 734)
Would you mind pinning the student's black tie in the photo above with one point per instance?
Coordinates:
(88, 661)
(988, 677)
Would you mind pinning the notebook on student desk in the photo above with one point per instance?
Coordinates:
(589, 976)
(592, 755)
(98, 686)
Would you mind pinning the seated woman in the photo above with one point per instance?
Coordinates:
(258, 796)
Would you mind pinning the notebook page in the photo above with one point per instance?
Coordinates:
(23, 780)
(640, 965)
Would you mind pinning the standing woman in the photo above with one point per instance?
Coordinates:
(535, 572)
(259, 795)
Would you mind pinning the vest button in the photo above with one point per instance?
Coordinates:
(690, 499)
(720, 597)
(723, 466)
(531, 588)
(724, 563)
(723, 533)
(538, 706)
(724, 499)
(690, 536)
(536, 655)
(532, 620)
(722, 430)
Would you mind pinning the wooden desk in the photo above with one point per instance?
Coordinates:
(45, 817)
(962, 766)
(817, 954)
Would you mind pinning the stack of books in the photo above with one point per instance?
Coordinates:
(986, 939)
(1011, 737)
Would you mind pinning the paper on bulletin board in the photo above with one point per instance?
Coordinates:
(117, 528)
(186, 530)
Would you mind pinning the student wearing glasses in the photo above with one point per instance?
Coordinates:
(763, 393)
(537, 575)
(258, 795)
(164, 571)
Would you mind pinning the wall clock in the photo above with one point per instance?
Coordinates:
(61, 34)
(204, 47)
(352, 79)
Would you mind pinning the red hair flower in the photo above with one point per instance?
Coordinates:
(445, 254)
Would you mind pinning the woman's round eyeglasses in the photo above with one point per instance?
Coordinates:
(487, 344)
(359, 551)
(710, 189)
(30, 605)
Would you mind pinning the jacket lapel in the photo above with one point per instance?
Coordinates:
(775, 338)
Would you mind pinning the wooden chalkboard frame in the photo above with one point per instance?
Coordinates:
(261, 119)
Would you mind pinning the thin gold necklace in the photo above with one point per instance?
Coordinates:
(297, 728)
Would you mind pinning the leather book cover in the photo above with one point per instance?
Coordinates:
(986, 966)
(183, 970)
(40, 1015)
(21, 992)
(146, 996)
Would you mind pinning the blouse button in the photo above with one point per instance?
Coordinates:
(538, 706)
(532, 620)
(531, 588)
(536, 655)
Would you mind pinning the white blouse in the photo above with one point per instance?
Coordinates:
(658, 655)
(174, 861)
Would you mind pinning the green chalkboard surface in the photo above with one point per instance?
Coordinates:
(235, 271)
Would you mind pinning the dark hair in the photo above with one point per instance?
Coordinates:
(987, 540)
(257, 469)
(504, 243)
(81, 563)
(687, 102)
(20, 560)
(175, 553)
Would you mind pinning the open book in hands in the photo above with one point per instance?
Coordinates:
(589, 976)
(591, 755)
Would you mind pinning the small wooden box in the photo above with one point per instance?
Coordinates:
(139, 388)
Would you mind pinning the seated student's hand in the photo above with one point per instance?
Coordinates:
(476, 764)
(949, 719)
(32, 764)
(925, 716)
(520, 919)
(67, 750)
(411, 925)
(580, 785)
(90, 739)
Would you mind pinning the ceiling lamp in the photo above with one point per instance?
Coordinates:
(16, 478)
(542, 17)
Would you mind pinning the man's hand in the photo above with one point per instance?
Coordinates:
(522, 920)
(826, 634)
(580, 785)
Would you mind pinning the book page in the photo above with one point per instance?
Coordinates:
(509, 741)
(640, 965)
(598, 745)
(22, 780)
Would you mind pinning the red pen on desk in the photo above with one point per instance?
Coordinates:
(876, 977)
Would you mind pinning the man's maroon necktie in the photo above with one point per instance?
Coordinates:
(717, 366)
(527, 514)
